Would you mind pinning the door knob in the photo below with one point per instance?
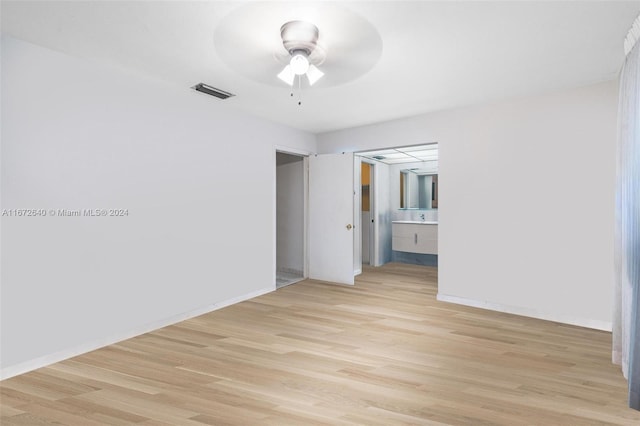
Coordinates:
(349, 227)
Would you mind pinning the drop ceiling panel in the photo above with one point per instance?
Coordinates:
(426, 153)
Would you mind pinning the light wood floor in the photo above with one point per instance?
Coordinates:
(381, 353)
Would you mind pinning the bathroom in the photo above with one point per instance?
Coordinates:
(399, 205)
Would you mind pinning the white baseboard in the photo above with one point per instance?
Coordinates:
(528, 312)
(290, 271)
(43, 361)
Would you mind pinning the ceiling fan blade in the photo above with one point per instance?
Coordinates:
(314, 74)
(287, 75)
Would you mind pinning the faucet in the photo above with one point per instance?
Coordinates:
(421, 215)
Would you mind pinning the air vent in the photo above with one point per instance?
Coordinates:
(379, 157)
(210, 90)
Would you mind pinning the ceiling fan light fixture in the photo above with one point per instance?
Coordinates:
(299, 63)
(314, 74)
(287, 75)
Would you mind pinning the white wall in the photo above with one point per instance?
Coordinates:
(382, 228)
(290, 216)
(519, 230)
(197, 178)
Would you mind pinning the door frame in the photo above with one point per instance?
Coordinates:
(379, 230)
(374, 246)
(305, 242)
(357, 215)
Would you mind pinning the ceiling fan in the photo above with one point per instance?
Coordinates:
(300, 39)
(320, 44)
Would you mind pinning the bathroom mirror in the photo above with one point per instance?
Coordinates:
(418, 189)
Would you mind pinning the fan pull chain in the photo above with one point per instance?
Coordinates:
(293, 88)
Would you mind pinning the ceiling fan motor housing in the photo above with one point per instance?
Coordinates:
(299, 37)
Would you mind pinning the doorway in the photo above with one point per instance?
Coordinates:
(291, 181)
(405, 182)
(367, 210)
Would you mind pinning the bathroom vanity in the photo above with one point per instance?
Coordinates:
(415, 236)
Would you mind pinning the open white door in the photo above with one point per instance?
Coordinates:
(331, 202)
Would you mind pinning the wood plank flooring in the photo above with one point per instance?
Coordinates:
(384, 352)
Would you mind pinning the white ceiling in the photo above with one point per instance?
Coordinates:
(435, 54)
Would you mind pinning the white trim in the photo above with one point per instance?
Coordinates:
(45, 360)
(527, 312)
(357, 215)
(632, 36)
(374, 244)
(294, 151)
(274, 221)
(305, 254)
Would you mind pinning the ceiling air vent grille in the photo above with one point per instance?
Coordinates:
(210, 90)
